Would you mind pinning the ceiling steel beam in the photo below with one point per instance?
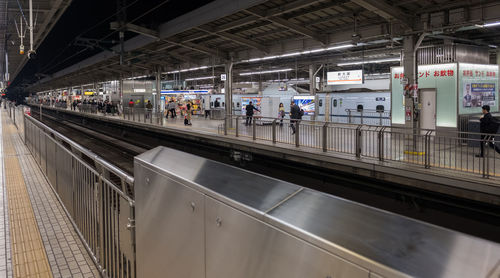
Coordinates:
(290, 25)
(385, 10)
(237, 39)
(200, 48)
(136, 29)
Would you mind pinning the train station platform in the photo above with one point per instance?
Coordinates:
(214, 204)
(445, 164)
(37, 238)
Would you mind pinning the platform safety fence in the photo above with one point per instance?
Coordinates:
(96, 195)
(456, 151)
(453, 151)
(364, 117)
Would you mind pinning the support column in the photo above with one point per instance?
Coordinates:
(410, 76)
(120, 89)
(312, 80)
(158, 90)
(228, 87)
(498, 57)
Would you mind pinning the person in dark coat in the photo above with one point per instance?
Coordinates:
(294, 115)
(488, 127)
(249, 108)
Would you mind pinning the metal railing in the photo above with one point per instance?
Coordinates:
(422, 148)
(365, 117)
(96, 195)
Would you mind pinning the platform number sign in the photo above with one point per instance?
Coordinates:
(223, 77)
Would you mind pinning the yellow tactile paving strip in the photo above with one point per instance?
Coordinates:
(28, 253)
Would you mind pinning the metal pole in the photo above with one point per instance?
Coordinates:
(228, 91)
(274, 131)
(158, 90)
(236, 127)
(297, 138)
(31, 26)
(226, 121)
(254, 128)
(325, 137)
(358, 141)
(40, 111)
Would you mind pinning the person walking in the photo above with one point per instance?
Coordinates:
(249, 111)
(294, 115)
(488, 127)
(281, 113)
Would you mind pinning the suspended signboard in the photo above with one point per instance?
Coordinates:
(345, 77)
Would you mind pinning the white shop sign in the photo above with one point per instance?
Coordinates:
(345, 77)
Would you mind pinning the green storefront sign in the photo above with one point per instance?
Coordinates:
(460, 89)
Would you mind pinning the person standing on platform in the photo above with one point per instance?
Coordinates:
(488, 127)
(281, 113)
(294, 115)
(250, 108)
(187, 119)
(171, 109)
(149, 108)
(206, 107)
(108, 107)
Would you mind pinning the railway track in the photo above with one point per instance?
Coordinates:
(119, 152)
(472, 218)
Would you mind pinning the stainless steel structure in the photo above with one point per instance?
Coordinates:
(200, 218)
(96, 195)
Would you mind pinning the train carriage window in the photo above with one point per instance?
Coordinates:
(335, 103)
(360, 108)
(380, 108)
(320, 103)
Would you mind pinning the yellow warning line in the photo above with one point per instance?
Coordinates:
(414, 153)
(28, 253)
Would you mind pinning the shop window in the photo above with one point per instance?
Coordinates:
(334, 103)
(380, 108)
(359, 108)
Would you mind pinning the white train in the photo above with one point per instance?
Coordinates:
(365, 107)
(372, 108)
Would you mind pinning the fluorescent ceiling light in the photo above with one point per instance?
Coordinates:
(264, 72)
(292, 54)
(200, 78)
(185, 70)
(491, 24)
(340, 47)
(387, 60)
(300, 53)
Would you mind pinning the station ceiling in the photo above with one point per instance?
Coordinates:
(12, 12)
(243, 31)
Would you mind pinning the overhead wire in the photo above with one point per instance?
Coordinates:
(110, 34)
(48, 65)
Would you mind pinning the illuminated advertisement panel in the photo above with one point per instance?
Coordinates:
(305, 103)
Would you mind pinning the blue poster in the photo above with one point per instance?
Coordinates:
(478, 94)
(305, 103)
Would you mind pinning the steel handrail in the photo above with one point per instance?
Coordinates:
(99, 160)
